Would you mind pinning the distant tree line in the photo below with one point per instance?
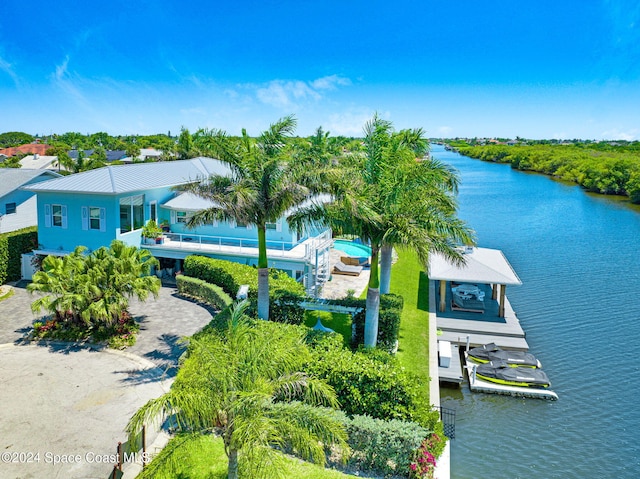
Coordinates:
(606, 168)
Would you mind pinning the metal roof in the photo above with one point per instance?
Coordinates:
(483, 265)
(13, 178)
(188, 202)
(116, 179)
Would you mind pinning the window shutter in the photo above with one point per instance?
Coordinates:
(64, 216)
(47, 216)
(173, 217)
(85, 218)
(103, 220)
(279, 226)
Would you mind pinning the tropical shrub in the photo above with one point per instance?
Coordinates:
(12, 246)
(90, 293)
(388, 323)
(382, 447)
(211, 294)
(368, 381)
(285, 292)
(423, 464)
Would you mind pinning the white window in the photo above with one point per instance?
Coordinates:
(131, 213)
(93, 218)
(55, 215)
(153, 211)
(274, 226)
(181, 217)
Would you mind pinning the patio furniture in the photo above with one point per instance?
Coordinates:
(349, 270)
(354, 260)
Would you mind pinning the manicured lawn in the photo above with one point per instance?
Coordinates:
(409, 280)
(340, 323)
(204, 458)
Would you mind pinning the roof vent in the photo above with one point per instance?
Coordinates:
(36, 156)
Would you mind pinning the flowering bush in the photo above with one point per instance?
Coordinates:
(424, 462)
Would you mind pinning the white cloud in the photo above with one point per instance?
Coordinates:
(444, 131)
(6, 67)
(330, 82)
(61, 70)
(615, 134)
(285, 94)
(349, 123)
(291, 94)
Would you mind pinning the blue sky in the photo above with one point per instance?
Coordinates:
(505, 68)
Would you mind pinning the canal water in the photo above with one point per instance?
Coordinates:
(577, 256)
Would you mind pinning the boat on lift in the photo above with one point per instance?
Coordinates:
(492, 352)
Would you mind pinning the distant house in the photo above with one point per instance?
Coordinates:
(27, 149)
(112, 155)
(149, 154)
(97, 206)
(17, 206)
(39, 162)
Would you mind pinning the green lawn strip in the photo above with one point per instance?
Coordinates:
(409, 280)
(340, 323)
(6, 295)
(203, 457)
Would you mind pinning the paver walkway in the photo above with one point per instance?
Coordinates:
(72, 403)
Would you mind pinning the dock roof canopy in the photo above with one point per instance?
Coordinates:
(483, 265)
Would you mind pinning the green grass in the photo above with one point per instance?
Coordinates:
(203, 457)
(409, 280)
(7, 295)
(340, 323)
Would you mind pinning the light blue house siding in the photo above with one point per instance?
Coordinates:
(95, 207)
(18, 207)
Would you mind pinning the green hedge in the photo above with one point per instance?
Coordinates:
(368, 382)
(12, 246)
(285, 292)
(381, 447)
(388, 322)
(198, 288)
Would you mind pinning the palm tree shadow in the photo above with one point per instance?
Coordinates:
(166, 358)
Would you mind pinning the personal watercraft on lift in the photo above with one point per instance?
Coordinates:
(491, 352)
(500, 372)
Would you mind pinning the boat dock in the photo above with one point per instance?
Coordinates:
(470, 308)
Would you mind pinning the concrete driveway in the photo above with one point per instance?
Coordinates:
(64, 408)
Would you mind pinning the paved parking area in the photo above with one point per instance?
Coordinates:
(61, 402)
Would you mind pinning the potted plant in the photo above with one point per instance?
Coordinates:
(152, 232)
(164, 224)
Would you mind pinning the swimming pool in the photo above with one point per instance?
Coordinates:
(352, 249)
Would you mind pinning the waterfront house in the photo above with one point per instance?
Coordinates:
(95, 207)
(18, 206)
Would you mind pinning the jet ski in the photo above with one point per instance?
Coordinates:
(491, 352)
(500, 372)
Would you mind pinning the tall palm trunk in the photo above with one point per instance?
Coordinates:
(232, 470)
(386, 254)
(373, 302)
(263, 274)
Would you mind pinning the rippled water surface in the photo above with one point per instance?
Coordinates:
(577, 255)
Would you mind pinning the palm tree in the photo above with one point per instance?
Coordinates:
(238, 382)
(394, 200)
(94, 288)
(264, 185)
